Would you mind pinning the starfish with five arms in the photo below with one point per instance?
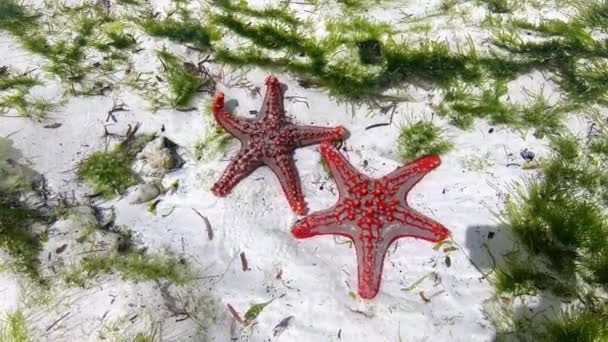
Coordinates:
(269, 140)
(372, 213)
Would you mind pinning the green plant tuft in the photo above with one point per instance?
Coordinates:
(16, 219)
(7, 81)
(14, 17)
(585, 325)
(186, 31)
(110, 172)
(183, 81)
(18, 241)
(14, 328)
(499, 6)
(561, 218)
(519, 277)
(25, 106)
(275, 13)
(421, 139)
(134, 265)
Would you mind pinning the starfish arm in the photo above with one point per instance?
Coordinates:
(284, 167)
(272, 108)
(325, 222)
(370, 261)
(240, 167)
(414, 224)
(235, 126)
(405, 177)
(371, 250)
(310, 135)
(348, 180)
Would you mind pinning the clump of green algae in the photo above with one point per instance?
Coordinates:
(183, 81)
(109, 172)
(421, 138)
(16, 218)
(561, 227)
(135, 265)
(14, 327)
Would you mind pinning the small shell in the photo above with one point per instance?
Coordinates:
(144, 193)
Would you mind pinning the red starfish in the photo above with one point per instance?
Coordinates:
(372, 213)
(269, 140)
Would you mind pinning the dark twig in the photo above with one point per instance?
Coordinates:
(53, 125)
(235, 314)
(244, 262)
(130, 136)
(169, 301)
(377, 125)
(365, 314)
(491, 256)
(57, 321)
(207, 224)
(116, 108)
(279, 328)
(298, 99)
(185, 109)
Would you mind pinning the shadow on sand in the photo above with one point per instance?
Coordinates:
(514, 318)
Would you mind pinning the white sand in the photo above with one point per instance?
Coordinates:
(465, 194)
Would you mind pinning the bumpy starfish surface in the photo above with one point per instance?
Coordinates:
(269, 140)
(372, 213)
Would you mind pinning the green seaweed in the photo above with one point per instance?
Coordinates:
(183, 82)
(18, 241)
(213, 144)
(499, 6)
(586, 325)
(69, 57)
(133, 265)
(9, 81)
(520, 277)
(182, 31)
(462, 106)
(109, 172)
(382, 62)
(16, 219)
(420, 139)
(560, 226)
(274, 13)
(14, 327)
(144, 337)
(25, 106)
(14, 17)
(593, 13)
(561, 223)
(254, 311)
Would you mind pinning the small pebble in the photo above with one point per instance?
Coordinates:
(527, 154)
(145, 193)
(61, 249)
